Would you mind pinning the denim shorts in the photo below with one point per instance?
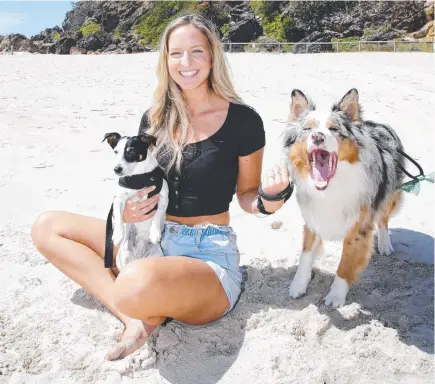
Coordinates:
(216, 245)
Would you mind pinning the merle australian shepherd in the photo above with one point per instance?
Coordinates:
(346, 172)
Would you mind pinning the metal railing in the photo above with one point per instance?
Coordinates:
(318, 47)
(333, 46)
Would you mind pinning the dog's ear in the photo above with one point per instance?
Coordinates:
(148, 139)
(349, 105)
(112, 138)
(298, 105)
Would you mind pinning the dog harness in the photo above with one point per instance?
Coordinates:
(136, 182)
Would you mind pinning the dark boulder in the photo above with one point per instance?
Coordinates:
(64, 45)
(245, 30)
(382, 35)
(317, 37)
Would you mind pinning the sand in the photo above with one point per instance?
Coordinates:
(54, 111)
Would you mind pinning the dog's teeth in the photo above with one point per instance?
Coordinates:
(330, 163)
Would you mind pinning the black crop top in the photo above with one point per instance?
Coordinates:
(208, 177)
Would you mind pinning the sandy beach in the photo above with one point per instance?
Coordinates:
(54, 112)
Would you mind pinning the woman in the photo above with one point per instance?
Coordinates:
(211, 145)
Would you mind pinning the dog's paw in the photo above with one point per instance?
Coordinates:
(155, 235)
(298, 287)
(384, 242)
(385, 249)
(337, 295)
(335, 300)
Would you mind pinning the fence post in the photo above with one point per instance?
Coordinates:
(359, 46)
(336, 49)
(394, 44)
(231, 46)
(306, 47)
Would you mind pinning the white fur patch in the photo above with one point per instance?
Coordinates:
(321, 118)
(302, 278)
(144, 249)
(384, 242)
(333, 211)
(338, 292)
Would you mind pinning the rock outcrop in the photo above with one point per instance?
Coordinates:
(135, 26)
(426, 33)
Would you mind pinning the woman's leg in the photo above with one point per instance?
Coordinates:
(184, 288)
(75, 245)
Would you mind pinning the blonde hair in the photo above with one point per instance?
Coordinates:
(169, 114)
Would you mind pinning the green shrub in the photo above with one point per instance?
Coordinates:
(267, 10)
(56, 36)
(90, 28)
(346, 39)
(352, 44)
(369, 32)
(154, 22)
(275, 26)
(278, 28)
(225, 29)
(415, 47)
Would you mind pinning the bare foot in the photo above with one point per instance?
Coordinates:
(135, 335)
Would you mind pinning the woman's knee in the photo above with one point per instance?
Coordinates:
(43, 227)
(136, 287)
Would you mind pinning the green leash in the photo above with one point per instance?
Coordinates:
(413, 186)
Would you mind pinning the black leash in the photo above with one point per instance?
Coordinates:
(413, 186)
(420, 169)
(108, 249)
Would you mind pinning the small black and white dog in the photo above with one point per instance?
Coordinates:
(137, 168)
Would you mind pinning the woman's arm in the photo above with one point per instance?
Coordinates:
(273, 182)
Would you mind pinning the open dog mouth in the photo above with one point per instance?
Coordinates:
(322, 167)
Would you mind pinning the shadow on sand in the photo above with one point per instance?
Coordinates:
(397, 291)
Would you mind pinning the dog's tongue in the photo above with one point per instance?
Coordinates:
(321, 166)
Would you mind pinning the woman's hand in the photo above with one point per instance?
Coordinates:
(274, 181)
(136, 210)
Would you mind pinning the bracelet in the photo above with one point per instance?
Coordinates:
(258, 214)
(285, 194)
(261, 208)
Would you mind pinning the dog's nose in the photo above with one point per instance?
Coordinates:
(318, 138)
(118, 169)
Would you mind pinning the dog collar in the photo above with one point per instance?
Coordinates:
(143, 180)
